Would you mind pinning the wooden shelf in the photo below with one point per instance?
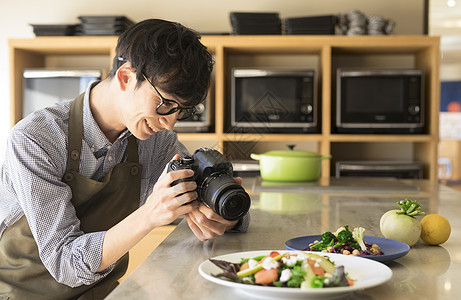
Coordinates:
(197, 136)
(325, 52)
(380, 138)
(66, 45)
(271, 137)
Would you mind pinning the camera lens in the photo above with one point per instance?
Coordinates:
(233, 204)
(225, 196)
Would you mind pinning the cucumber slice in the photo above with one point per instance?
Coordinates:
(306, 284)
(327, 265)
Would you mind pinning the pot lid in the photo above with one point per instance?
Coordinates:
(291, 153)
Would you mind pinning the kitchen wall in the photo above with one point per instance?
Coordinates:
(203, 15)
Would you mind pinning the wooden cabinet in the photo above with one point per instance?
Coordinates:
(322, 53)
(450, 160)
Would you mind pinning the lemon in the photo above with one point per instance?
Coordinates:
(435, 229)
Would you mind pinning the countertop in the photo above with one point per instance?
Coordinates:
(426, 272)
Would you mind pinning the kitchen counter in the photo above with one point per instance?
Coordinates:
(426, 272)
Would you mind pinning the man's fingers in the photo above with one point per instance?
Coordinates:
(175, 157)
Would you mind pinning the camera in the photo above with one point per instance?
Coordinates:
(215, 185)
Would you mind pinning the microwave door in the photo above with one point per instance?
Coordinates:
(273, 103)
(378, 101)
(43, 88)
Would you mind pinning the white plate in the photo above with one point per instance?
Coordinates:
(365, 272)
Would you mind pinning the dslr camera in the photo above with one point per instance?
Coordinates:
(216, 187)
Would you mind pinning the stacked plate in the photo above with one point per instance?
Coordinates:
(54, 29)
(311, 25)
(103, 25)
(255, 23)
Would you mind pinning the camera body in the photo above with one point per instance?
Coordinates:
(215, 185)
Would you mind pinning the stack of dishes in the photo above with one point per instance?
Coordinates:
(311, 25)
(54, 29)
(255, 23)
(104, 25)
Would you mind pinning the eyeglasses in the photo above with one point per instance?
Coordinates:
(168, 107)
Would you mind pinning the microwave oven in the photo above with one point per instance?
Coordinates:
(271, 100)
(44, 87)
(379, 101)
(199, 122)
(391, 169)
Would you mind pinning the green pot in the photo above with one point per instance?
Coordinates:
(290, 165)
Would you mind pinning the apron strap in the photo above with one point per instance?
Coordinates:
(75, 134)
(133, 155)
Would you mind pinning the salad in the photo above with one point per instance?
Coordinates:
(346, 242)
(295, 269)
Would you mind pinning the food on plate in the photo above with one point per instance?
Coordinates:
(435, 229)
(402, 225)
(344, 241)
(295, 269)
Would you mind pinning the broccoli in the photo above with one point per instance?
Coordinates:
(327, 240)
(345, 236)
(357, 234)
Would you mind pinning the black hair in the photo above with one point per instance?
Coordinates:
(170, 55)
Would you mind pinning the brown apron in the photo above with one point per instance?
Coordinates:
(99, 206)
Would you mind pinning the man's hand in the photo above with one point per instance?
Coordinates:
(206, 224)
(167, 203)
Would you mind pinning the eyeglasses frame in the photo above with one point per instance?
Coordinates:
(178, 108)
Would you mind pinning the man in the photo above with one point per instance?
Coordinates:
(84, 181)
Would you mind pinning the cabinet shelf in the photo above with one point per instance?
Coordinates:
(68, 45)
(322, 53)
(380, 138)
(197, 136)
(271, 137)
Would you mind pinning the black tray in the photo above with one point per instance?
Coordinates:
(105, 19)
(316, 20)
(54, 29)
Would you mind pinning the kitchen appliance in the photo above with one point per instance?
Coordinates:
(379, 101)
(290, 165)
(44, 87)
(393, 169)
(272, 100)
(199, 122)
(245, 168)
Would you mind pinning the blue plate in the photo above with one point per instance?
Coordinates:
(392, 249)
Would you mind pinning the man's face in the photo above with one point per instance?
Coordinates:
(140, 110)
